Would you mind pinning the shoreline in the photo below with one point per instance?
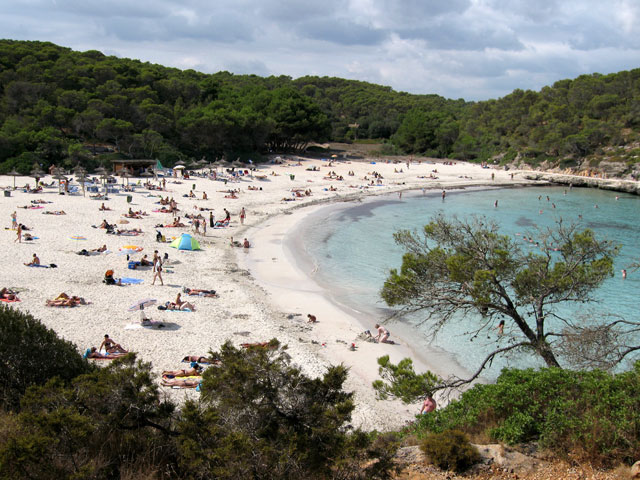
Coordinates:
(245, 311)
(292, 288)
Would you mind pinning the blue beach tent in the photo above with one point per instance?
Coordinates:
(185, 242)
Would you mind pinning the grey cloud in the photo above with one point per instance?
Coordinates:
(295, 11)
(223, 28)
(453, 36)
(340, 32)
(539, 11)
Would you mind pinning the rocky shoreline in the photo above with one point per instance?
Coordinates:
(618, 185)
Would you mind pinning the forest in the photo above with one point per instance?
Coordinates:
(63, 107)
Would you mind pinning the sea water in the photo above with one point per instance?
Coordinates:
(353, 250)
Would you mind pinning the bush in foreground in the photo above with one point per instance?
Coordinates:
(450, 450)
(594, 414)
(31, 354)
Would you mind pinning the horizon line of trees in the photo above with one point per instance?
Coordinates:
(55, 103)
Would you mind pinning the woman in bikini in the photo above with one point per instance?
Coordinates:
(110, 346)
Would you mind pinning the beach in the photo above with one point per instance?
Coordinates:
(264, 292)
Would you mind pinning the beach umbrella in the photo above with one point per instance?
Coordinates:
(135, 248)
(77, 238)
(14, 174)
(179, 167)
(141, 304)
(37, 173)
(185, 242)
(105, 179)
(81, 176)
(60, 178)
(125, 173)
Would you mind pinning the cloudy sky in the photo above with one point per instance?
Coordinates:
(471, 49)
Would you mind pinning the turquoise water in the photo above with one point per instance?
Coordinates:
(354, 250)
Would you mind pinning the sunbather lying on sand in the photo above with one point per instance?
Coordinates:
(180, 382)
(64, 300)
(201, 293)
(131, 231)
(6, 294)
(185, 372)
(94, 353)
(54, 212)
(197, 359)
(173, 306)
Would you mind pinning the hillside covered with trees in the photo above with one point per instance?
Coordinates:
(64, 107)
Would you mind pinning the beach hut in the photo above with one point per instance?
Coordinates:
(185, 242)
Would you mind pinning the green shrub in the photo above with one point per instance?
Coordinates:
(31, 354)
(592, 413)
(450, 450)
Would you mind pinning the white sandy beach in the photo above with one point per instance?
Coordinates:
(263, 291)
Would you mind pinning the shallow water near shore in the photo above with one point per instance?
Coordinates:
(349, 250)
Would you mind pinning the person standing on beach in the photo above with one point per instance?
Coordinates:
(243, 214)
(212, 220)
(18, 234)
(157, 271)
(227, 216)
(14, 221)
(428, 406)
(157, 268)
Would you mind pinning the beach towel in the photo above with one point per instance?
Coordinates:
(130, 281)
(52, 265)
(6, 300)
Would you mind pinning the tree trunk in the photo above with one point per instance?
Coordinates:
(546, 353)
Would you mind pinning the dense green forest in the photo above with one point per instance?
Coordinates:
(64, 107)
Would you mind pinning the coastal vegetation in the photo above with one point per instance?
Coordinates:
(589, 416)
(65, 107)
